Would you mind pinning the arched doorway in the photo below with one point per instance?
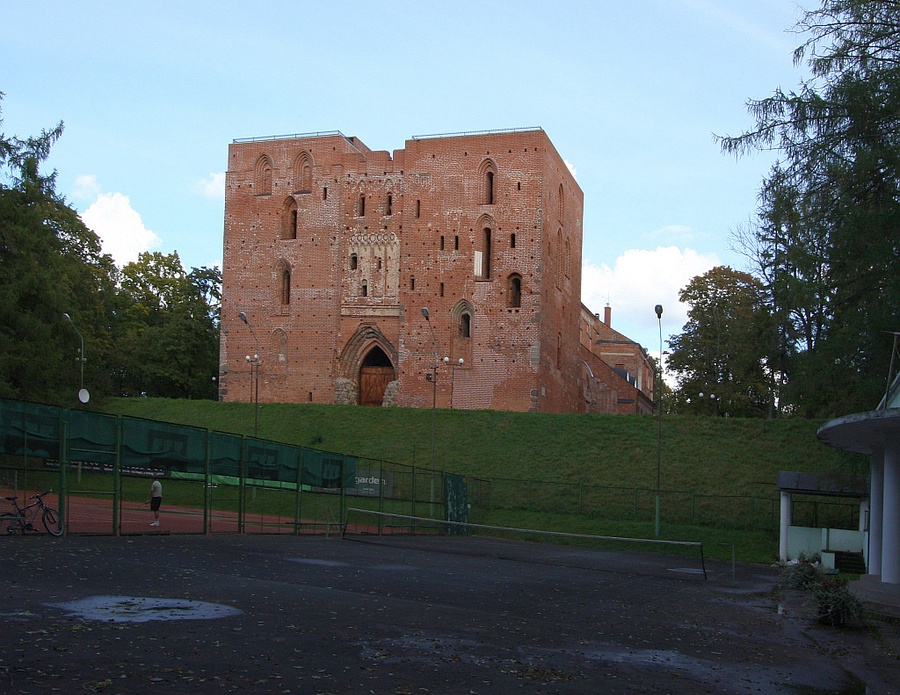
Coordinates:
(375, 374)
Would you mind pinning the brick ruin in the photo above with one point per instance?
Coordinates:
(334, 254)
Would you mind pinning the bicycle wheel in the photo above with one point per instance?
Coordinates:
(11, 524)
(53, 522)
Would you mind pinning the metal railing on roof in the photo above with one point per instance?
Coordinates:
(295, 136)
(477, 132)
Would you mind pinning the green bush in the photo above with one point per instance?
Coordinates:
(837, 606)
(804, 573)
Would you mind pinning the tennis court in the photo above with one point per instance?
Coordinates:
(394, 614)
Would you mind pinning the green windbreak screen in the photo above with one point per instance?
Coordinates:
(27, 429)
(150, 444)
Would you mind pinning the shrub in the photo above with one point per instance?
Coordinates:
(837, 606)
(802, 573)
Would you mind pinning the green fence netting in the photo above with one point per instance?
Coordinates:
(42, 446)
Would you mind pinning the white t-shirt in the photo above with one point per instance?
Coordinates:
(156, 489)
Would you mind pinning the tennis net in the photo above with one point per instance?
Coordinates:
(470, 538)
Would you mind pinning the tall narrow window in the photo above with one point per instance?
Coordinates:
(354, 261)
(418, 208)
(289, 219)
(512, 240)
(389, 205)
(365, 288)
(361, 206)
(486, 252)
(562, 203)
(442, 242)
(514, 291)
(325, 193)
(442, 290)
(465, 325)
(456, 243)
(488, 173)
(412, 284)
(285, 286)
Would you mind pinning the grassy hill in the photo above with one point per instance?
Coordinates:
(733, 461)
(715, 456)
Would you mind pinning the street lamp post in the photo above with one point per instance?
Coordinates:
(433, 379)
(83, 394)
(254, 363)
(659, 386)
(453, 375)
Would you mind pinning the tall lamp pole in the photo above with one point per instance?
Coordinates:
(254, 373)
(83, 394)
(658, 389)
(433, 378)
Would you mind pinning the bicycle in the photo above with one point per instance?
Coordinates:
(24, 520)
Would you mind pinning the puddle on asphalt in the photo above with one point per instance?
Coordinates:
(135, 609)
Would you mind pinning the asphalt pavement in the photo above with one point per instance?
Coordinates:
(287, 614)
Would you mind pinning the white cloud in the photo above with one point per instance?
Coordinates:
(571, 168)
(87, 187)
(120, 227)
(639, 280)
(213, 186)
(678, 234)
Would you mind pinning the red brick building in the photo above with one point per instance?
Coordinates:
(332, 251)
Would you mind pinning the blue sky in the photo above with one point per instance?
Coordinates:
(631, 93)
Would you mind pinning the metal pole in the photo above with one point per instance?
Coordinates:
(658, 394)
(434, 359)
(81, 357)
(254, 373)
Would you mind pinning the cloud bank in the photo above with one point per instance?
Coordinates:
(638, 281)
(120, 227)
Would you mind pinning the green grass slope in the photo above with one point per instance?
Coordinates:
(716, 456)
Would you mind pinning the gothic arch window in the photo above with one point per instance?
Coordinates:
(512, 240)
(559, 247)
(365, 288)
(462, 316)
(303, 173)
(354, 261)
(562, 203)
(514, 291)
(289, 219)
(465, 325)
(568, 257)
(488, 172)
(283, 272)
(361, 205)
(262, 175)
(389, 205)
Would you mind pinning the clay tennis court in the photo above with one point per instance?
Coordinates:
(287, 614)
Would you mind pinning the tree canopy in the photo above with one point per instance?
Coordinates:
(149, 328)
(719, 358)
(826, 241)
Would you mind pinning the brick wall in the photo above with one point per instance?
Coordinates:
(332, 250)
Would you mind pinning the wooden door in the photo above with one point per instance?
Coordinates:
(373, 382)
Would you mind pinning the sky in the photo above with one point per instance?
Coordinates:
(631, 94)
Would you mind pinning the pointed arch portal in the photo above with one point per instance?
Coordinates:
(375, 373)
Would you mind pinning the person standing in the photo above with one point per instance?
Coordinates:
(155, 500)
